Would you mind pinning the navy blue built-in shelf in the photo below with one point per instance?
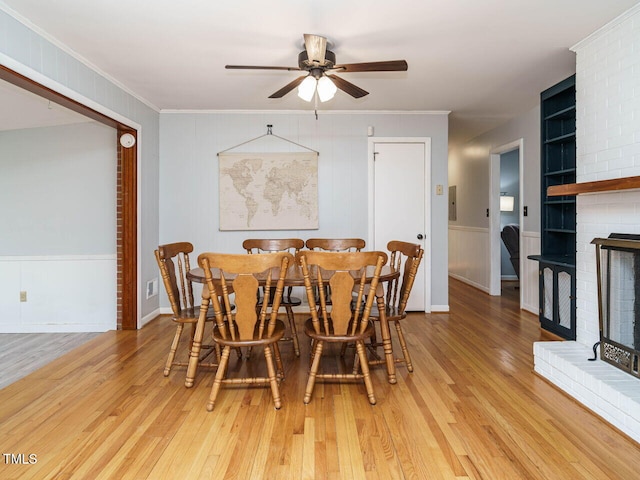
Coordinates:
(558, 214)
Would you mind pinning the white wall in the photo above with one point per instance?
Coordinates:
(189, 167)
(469, 170)
(34, 54)
(58, 192)
(58, 189)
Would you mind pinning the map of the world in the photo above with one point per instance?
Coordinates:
(268, 191)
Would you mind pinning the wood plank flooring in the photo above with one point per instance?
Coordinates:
(23, 353)
(472, 409)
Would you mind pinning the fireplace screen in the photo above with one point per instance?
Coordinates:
(618, 264)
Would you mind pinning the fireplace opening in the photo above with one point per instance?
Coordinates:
(618, 271)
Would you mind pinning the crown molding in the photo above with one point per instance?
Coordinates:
(58, 44)
(605, 29)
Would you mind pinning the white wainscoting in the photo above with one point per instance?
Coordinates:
(68, 293)
(469, 255)
(529, 291)
(469, 261)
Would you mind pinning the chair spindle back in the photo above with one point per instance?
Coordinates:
(179, 288)
(405, 257)
(243, 275)
(342, 271)
(336, 244)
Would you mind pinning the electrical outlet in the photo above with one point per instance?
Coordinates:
(439, 190)
(23, 296)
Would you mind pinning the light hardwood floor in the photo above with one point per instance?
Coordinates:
(23, 353)
(472, 409)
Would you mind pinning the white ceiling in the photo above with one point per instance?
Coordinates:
(485, 61)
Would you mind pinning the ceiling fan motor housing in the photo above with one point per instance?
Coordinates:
(305, 64)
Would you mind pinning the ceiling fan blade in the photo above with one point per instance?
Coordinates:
(388, 66)
(348, 87)
(257, 67)
(316, 47)
(288, 87)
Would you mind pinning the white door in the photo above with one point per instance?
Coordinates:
(400, 204)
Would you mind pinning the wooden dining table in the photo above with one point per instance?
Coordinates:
(294, 278)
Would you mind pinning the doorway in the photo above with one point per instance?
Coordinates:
(505, 181)
(509, 219)
(128, 301)
(399, 203)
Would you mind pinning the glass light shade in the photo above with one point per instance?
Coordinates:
(506, 203)
(326, 89)
(307, 88)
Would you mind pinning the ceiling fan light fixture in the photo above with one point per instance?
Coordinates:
(307, 88)
(319, 63)
(326, 89)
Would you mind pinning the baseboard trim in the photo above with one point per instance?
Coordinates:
(469, 282)
(509, 278)
(150, 316)
(439, 309)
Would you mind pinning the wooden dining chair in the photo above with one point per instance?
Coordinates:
(288, 301)
(246, 325)
(336, 244)
(173, 261)
(341, 324)
(406, 258)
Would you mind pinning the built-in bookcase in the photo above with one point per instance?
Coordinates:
(558, 161)
(558, 214)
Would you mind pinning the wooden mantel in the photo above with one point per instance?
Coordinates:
(625, 183)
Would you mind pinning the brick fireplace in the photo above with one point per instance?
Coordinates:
(608, 147)
(608, 391)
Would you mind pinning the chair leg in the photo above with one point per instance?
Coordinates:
(312, 349)
(356, 363)
(294, 330)
(374, 339)
(172, 351)
(217, 382)
(313, 372)
(273, 379)
(362, 353)
(279, 366)
(403, 345)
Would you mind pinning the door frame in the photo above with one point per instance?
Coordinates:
(494, 206)
(128, 180)
(426, 260)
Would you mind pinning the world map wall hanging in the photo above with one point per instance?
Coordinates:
(268, 191)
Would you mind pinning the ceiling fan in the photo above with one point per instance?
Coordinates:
(321, 66)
